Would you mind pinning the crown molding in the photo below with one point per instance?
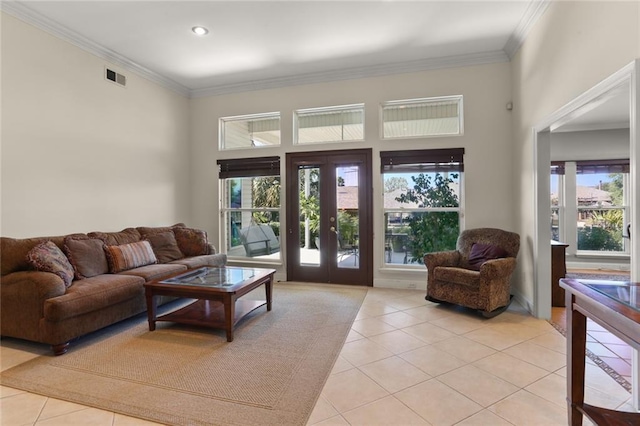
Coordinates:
(24, 13)
(356, 73)
(534, 11)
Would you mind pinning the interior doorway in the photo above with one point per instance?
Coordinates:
(329, 215)
(626, 80)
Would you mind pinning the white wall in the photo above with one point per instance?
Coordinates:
(80, 153)
(487, 141)
(571, 48)
(590, 145)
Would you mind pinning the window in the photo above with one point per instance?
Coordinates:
(422, 202)
(331, 124)
(250, 131)
(599, 209)
(602, 200)
(422, 117)
(250, 189)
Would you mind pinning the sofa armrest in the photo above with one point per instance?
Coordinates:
(22, 297)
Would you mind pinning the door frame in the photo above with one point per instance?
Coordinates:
(364, 271)
(630, 74)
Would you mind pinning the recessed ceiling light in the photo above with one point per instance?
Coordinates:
(200, 31)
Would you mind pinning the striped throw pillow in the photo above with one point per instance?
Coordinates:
(129, 256)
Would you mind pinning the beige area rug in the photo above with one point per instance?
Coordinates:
(272, 373)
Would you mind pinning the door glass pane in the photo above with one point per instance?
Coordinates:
(347, 216)
(309, 214)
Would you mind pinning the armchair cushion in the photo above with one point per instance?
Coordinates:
(480, 253)
(460, 276)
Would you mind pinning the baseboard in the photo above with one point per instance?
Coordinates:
(401, 284)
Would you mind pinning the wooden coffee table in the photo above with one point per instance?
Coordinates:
(217, 291)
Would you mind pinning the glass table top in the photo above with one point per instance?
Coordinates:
(213, 277)
(625, 292)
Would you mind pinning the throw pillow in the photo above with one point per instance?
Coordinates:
(47, 257)
(164, 246)
(480, 253)
(87, 256)
(129, 256)
(192, 242)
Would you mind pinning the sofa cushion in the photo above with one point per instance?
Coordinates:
(192, 242)
(155, 272)
(480, 253)
(93, 294)
(148, 230)
(164, 246)
(86, 255)
(129, 256)
(126, 236)
(194, 262)
(47, 257)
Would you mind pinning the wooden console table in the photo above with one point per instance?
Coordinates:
(558, 270)
(615, 305)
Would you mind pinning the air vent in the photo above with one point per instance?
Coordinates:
(115, 77)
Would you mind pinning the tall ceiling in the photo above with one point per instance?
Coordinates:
(262, 44)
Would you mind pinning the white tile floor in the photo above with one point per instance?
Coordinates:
(405, 362)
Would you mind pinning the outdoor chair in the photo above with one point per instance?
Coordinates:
(259, 240)
(477, 274)
(346, 249)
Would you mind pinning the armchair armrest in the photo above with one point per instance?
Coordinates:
(497, 268)
(443, 258)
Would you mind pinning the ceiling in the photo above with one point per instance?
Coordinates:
(263, 44)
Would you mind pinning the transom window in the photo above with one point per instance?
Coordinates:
(422, 117)
(250, 131)
(330, 124)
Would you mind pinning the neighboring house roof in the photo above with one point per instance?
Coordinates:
(589, 195)
(348, 198)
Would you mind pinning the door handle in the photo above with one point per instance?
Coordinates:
(333, 229)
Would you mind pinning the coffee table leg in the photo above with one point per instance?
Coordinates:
(268, 289)
(151, 310)
(229, 315)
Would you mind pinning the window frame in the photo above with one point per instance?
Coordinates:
(410, 102)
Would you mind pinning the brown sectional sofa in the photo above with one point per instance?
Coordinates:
(43, 307)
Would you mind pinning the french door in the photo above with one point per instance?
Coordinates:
(329, 217)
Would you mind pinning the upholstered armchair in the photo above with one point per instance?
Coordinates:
(477, 274)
